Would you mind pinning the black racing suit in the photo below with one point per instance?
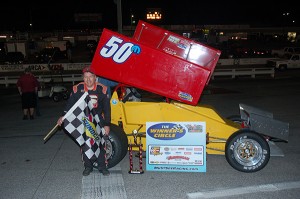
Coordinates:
(102, 106)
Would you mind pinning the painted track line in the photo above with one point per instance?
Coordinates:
(97, 186)
(244, 190)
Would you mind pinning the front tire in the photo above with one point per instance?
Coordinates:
(247, 151)
(116, 146)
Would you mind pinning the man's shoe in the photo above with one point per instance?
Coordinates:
(31, 117)
(25, 117)
(105, 172)
(87, 171)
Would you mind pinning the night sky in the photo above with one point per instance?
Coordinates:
(59, 15)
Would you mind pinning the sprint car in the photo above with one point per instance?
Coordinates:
(167, 64)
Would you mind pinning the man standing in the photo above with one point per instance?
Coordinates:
(101, 104)
(28, 87)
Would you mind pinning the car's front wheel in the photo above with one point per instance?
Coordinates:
(247, 151)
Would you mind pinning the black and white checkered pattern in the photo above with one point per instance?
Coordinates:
(74, 125)
(177, 126)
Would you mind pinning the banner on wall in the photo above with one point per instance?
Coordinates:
(42, 67)
(176, 146)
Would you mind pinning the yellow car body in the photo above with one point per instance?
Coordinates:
(133, 116)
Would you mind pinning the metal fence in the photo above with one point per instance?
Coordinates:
(73, 78)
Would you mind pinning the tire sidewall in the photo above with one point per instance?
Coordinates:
(235, 138)
(119, 142)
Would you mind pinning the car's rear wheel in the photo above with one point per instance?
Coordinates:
(116, 145)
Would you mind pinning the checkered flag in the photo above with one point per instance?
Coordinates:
(84, 125)
(177, 126)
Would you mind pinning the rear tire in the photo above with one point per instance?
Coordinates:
(116, 145)
(247, 151)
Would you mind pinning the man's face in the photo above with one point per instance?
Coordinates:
(89, 79)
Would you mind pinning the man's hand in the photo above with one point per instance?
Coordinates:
(107, 130)
(60, 121)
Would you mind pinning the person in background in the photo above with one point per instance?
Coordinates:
(28, 87)
(69, 51)
(37, 109)
(97, 92)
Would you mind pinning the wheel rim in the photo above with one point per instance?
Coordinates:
(109, 149)
(248, 152)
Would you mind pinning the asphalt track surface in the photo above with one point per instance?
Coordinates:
(32, 169)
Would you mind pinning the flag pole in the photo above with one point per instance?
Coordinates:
(53, 130)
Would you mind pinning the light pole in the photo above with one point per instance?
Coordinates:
(119, 15)
(132, 21)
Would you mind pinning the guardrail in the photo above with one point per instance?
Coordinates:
(79, 66)
(252, 72)
(73, 78)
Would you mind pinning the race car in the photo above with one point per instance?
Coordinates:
(177, 68)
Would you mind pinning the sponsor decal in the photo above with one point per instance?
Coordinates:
(166, 148)
(169, 51)
(197, 149)
(198, 153)
(182, 46)
(185, 96)
(154, 150)
(178, 157)
(166, 131)
(114, 101)
(194, 128)
(173, 39)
